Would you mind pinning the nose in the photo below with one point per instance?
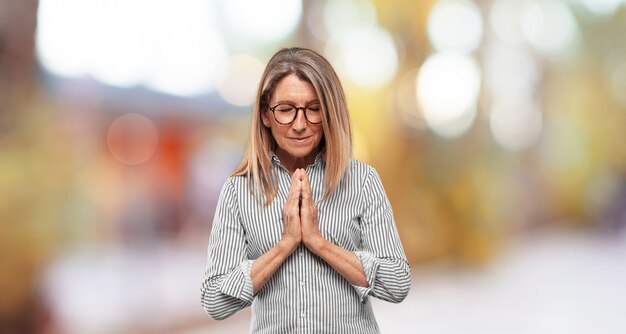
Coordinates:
(300, 123)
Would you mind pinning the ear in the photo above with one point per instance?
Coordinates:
(265, 119)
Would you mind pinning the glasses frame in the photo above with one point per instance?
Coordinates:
(295, 115)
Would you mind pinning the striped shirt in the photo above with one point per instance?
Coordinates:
(305, 294)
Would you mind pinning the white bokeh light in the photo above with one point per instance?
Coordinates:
(455, 25)
(505, 19)
(259, 22)
(126, 43)
(367, 56)
(448, 85)
(341, 17)
(515, 125)
(63, 36)
(240, 85)
(510, 70)
(549, 26)
(189, 57)
(601, 7)
(117, 47)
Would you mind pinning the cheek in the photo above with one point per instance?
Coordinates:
(320, 132)
(277, 132)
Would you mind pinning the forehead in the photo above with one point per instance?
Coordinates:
(292, 88)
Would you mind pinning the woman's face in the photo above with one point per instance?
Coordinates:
(299, 141)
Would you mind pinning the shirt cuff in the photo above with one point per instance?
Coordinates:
(370, 266)
(238, 283)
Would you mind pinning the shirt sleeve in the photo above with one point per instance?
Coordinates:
(385, 265)
(227, 286)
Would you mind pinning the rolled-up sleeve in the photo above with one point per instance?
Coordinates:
(227, 286)
(385, 265)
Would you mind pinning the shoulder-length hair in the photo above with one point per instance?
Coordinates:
(336, 144)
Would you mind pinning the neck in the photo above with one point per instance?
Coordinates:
(292, 163)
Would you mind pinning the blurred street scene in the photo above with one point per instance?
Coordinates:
(498, 128)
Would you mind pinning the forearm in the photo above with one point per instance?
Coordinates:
(343, 261)
(266, 265)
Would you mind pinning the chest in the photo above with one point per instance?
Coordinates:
(339, 218)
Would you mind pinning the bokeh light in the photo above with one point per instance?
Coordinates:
(506, 21)
(116, 55)
(601, 7)
(314, 20)
(188, 57)
(103, 39)
(455, 25)
(515, 126)
(448, 85)
(510, 71)
(63, 36)
(341, 17)
(132, 139)
(361, 50)
(367, 56)
(549, 26)
(256, 22)
(240, 86)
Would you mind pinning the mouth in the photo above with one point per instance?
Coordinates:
(299, 139)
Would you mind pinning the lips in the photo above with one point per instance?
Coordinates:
(299, 139)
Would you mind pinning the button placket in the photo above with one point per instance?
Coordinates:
(302, 283)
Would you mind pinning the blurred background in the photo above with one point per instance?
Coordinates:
(497, 126)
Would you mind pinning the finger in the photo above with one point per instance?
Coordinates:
(294, 191)
(306, 186)
(308, 210)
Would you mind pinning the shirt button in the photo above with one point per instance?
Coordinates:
(301, 253)
(302, 314)
(301, 283)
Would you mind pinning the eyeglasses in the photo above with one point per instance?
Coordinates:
(285, 113)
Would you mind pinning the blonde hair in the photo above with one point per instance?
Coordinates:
(336, 144)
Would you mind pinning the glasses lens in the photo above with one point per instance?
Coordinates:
(314, 114)
(284, 113)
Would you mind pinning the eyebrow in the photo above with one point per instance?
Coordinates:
(292, 102)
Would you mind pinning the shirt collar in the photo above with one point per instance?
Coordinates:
(319, 158)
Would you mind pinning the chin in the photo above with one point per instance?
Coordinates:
(300, 152)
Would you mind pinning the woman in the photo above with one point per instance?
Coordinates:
(303, 232)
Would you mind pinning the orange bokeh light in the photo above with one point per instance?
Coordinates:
(132, 139)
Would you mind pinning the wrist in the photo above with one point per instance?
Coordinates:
(288, 244)
(315, 244)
